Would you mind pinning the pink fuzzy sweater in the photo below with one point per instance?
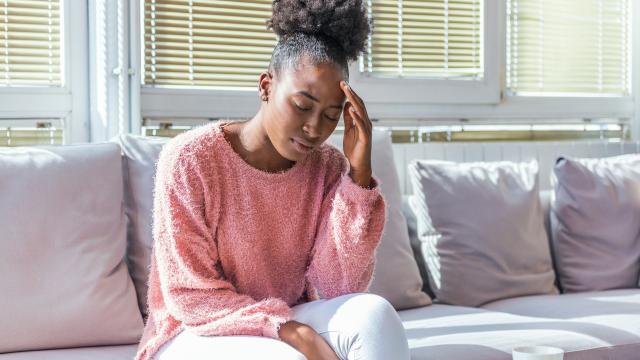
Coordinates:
(235, 247)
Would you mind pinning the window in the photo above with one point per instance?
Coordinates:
(484, 61)
(206, 43)
(570, 47)
(203, 59)
(425, 38)
(430, 52)
(41, 101)
(30, 43)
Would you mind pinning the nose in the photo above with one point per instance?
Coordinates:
(312, 129)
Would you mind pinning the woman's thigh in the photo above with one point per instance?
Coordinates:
(357, 326)
(188, 345)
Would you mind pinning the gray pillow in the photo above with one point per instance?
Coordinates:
(595, 220)
(139, 158)
(64, 282)
(412, 226)
(482, 230)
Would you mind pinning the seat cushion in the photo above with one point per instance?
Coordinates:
(120, 352)
(603, 325)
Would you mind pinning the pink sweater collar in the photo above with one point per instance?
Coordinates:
(234, 157)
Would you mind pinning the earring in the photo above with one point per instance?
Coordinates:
(264, 97)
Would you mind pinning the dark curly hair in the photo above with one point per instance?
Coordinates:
(326, 31)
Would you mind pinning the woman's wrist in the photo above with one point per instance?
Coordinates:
(362, 178)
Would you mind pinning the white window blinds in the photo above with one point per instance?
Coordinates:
(226, 44)
(206, 43)
(43, 132)
(568, 46)
(425, 38)
(30, 43)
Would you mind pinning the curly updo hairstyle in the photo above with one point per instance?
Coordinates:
(324, 31)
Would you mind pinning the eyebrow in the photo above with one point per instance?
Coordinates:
(314, 99)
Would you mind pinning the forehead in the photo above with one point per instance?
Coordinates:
(322, 80)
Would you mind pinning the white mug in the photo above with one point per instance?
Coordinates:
(537, 353)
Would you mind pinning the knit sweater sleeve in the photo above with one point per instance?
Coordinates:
(192, 283)
(350, 229)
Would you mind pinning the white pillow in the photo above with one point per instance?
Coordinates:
(64, 282)
(482, 229)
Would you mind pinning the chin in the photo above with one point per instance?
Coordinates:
(289, 152)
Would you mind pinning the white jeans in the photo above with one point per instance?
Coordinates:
(356, 326)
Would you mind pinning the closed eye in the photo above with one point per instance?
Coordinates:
(304, 109)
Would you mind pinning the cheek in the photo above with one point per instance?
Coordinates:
(287, 120)
(289, 116)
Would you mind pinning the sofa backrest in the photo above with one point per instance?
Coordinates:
(546, 152)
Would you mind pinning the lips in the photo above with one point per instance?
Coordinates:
(301, 146)
(304, 143)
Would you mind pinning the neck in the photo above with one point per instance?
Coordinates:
(254, 145)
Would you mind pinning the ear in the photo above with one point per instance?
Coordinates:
(265, 82)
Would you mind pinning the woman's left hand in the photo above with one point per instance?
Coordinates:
(357, 137)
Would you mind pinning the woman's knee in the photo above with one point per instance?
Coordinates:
(372, 303)
(366, 309)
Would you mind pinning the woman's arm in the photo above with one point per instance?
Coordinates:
(192, 283)
(350, 229)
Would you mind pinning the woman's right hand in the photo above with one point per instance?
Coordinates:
(306, 340)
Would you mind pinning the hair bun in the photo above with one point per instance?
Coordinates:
(344, 21)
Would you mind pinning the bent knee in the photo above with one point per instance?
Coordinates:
(372, 302)
(365, 309)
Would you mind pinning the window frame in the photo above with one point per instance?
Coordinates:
(635, 68)
(68, 102)
(442, 91)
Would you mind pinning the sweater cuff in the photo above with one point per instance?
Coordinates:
(274, 321)
(350, 190)
(273, 326)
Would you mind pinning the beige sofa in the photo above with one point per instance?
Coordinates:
(83, 324)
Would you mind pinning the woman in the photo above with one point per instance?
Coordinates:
(265, 235)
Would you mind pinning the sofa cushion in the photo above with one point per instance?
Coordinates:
(596, 222)
(416, 244)
(482, 229)
(598, 326)
(64, 282)
(120, 352)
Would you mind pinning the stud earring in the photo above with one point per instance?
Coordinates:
(264, 97)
